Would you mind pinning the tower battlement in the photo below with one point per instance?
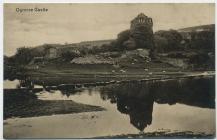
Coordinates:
(141, 20)
(141, 32)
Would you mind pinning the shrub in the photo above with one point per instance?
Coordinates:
(167, 40)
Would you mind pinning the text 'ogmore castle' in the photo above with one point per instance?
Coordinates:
(141, 33)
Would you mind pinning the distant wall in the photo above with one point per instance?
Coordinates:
(94, 43)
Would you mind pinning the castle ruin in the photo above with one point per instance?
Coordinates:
(141, 33)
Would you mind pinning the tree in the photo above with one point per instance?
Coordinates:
(23, 55)
(69, 55)
(169, 40)
(122, 37)
(161, 43)
(203, 40)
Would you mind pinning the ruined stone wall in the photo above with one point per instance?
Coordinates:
(141, 31)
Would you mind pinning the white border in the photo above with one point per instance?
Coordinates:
(78, 1)
(108, 1)
(1, 70)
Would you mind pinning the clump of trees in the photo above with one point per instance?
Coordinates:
(128, 41)
(122, 37)
(69, 55)
(204, 40)
(166, 41)
(23, 55)
(12, 67)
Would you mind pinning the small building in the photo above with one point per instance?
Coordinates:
(51, 53)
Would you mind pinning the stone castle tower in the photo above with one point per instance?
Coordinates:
(141, 32)
(141, 27)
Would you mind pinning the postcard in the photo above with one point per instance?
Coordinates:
(109, 70)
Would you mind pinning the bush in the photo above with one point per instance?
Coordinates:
(68, 56)
(23, 56)
(203, 40)
(161, 43)
(122, 37)
(167, 40)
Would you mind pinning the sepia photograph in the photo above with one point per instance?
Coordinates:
(109, 70)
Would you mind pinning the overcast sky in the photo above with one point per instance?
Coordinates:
(81, 22)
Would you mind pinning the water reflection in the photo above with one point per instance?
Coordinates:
(137, 98)
(139, 110)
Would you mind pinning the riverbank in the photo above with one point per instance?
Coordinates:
(162, 135)
(77, 80)
(57, 74)
(23, 103)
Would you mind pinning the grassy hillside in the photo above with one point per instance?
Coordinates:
(209, 27)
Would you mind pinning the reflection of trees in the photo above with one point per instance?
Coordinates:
(136, 98)
(198, 92)
(26, 82)
(69, 91)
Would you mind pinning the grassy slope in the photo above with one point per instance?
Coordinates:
(74, 73)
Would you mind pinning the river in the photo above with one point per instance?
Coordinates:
(131, 108)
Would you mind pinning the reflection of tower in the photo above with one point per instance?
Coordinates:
(139, 110)
(132, 98)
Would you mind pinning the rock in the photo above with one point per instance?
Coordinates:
(123, 71)
(135, 60)
(91, 59)
(143, 52)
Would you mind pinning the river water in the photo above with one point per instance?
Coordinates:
(132, 107)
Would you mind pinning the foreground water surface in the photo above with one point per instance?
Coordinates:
(131, 107)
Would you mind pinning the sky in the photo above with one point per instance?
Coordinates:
(72, 23)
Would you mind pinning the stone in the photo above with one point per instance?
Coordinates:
(141, 31)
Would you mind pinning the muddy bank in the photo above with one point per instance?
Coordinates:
(161, 135)
(25, 104)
